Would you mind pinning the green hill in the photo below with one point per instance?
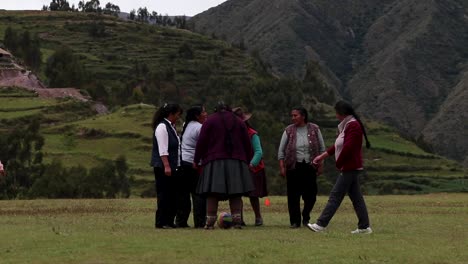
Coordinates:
(139, 66)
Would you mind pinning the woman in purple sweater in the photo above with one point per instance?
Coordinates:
(225, 151)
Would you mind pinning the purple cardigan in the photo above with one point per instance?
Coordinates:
(213, 142)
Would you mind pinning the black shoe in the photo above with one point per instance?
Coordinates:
(258, 222)
(295, 226)
(305, 222)
(182, 226)
(164, 227)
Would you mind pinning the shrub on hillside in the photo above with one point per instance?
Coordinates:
(108, 180)
(64, 69)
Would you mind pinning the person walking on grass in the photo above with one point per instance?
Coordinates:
(165, 161)
(256, 166)
(348, 156)
(224, 149)
(189, 176)
(300, 143)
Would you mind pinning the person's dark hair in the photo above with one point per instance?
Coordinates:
(343, 108)
(221, 105)
(239, 114)
(303, 113)
(164, 111)
(192, 115)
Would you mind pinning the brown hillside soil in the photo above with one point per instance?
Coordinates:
(27, 80)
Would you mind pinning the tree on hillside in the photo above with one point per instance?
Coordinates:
(24, 47)
(143, 14)
(132, 14)
(32, 53)
(59, 5)
(92, 6)
(10, 39)
(64, 69)
(153, 17)
(97, 29)
(111, 9)
(314, 84)
(22, 152)
(180, 22)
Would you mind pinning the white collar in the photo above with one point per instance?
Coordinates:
(345, 121)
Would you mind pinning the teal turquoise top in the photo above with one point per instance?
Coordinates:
(257, 149)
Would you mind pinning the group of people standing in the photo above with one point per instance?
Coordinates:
(220, 158)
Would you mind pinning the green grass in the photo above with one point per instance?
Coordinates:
(407, 229)
(18, 114)
(18, 104)
(396, 143)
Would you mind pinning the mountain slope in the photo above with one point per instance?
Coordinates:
(396, 60)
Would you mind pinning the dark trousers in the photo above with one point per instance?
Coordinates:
(187, 182)
(347, 182)
(301, 181)
(166, 198)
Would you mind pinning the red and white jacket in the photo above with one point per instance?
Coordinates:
(348, 145)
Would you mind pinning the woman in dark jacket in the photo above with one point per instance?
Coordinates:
(224, 150)
(348, 155)
(165, 161)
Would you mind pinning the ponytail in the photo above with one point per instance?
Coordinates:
(343, 108)
(163, 112)
(368, 145)
(192, 115)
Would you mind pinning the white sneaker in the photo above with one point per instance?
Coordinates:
(316, 228)
(362, 231)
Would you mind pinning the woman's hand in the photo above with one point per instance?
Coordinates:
(283, 171)
(319, 168)
(282, 168)
(167, 171)
(317, 160)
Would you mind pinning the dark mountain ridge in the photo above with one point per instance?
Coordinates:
(399, 61)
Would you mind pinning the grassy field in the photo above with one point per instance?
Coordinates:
(408, 229)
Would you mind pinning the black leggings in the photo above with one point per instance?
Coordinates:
(301, 181)
(166, 198)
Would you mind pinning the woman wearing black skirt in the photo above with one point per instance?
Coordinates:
(225, 151)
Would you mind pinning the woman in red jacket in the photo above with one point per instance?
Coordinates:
(348, 155)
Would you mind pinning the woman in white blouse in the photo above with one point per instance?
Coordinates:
(165, 161)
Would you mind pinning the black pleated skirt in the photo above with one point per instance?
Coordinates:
(225, 178)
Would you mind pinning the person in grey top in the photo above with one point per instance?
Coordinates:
(300, 143)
